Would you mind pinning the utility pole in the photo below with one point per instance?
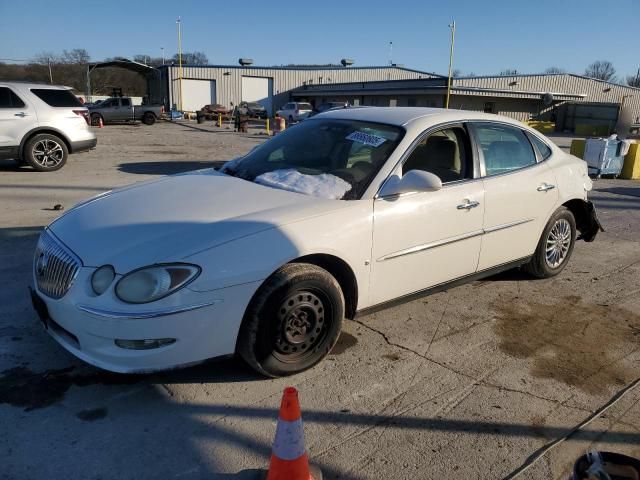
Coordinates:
(162, 49)
(452, 26)
(179, 22)
(50, 74)
(390, 53)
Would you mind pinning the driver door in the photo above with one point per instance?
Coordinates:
(421, 240)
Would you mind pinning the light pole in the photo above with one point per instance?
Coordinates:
(452, 26)
(162, 49)
(179, 22)
(50, 74)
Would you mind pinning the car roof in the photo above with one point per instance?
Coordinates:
(402, 116)
(35, 85)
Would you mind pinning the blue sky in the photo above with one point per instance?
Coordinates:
(528, 36)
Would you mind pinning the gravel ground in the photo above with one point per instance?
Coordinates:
(468, 383)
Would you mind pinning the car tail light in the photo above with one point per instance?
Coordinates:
(84, 114)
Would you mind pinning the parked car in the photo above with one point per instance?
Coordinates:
(212, 111)
(348, 211)
(122, 109)
(295, 111)
(252, 109)
(42, 125)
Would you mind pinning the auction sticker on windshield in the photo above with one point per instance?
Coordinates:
(366, 138)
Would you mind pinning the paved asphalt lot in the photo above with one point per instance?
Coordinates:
(468, 383)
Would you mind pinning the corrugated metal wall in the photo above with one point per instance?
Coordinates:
(229, 79)
(595, 90)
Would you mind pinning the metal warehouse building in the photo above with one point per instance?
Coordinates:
(572, 102)
(271, 86)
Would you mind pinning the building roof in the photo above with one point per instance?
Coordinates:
(303, 68)
(123, 63)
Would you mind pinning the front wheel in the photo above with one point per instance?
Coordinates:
(45, 152)
(293, 321)
(555, 246)
(95, 119)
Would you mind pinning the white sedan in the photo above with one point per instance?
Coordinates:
(349, 211)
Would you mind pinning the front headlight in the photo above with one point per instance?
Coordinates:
(153, 283)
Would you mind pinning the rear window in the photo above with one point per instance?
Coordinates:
(305, 106)
(56, 98)
(8, 99)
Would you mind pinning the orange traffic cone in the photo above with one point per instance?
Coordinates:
(289, 460)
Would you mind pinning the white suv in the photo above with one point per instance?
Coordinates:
(295, 111)
(40, 125)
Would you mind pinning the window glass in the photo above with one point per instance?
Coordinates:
(8, 99)
(543, 148)
(351, 150)
(489, 107)
(504, 148)
(126, 102)
(443, 153)
(56, 97)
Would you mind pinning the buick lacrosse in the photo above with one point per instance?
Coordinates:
(348, 211)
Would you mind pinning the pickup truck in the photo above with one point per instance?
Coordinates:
(121, 109)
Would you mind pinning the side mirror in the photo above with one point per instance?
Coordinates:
(412, 181)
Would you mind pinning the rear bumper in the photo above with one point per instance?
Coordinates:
(83, 145)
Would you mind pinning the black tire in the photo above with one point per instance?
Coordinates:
(45, 152)
(561, 241)
(293, 321)
(290, 119)
(148, 118)
(95, 119)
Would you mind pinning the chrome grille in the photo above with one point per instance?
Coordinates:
(54, 266)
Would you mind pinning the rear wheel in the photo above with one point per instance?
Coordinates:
(95, 119)
(45, 152)
(555, 246)
(148, 118)
(293, 321)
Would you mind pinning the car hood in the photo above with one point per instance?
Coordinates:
(174, 217)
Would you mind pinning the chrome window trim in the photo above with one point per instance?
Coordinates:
(502, 226)
(409, 150)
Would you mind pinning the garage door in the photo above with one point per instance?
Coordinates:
(197, 94)
(258, 89)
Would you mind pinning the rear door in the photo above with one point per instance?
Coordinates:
(520, 193)
(17, 117)
(110, 110)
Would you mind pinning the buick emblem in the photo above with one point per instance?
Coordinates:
(41, 264)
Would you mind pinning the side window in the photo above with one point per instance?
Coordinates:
(543, 148)
(8, 99)
(126, 102)
(444, 153)
(504, 148)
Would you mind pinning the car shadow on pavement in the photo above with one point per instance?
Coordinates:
(13, 166)
(168, 167)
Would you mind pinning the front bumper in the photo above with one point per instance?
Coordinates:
(203, 324)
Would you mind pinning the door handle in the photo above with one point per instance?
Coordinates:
(546, 186)
(468, 205)
(21, 114)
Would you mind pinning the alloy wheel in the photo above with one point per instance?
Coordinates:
(558, 243)
(48, 153)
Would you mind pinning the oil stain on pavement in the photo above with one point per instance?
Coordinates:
(577, 343)
(21, 387)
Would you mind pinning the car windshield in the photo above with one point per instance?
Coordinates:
(329, 158)
(305, 106)
(254, 105)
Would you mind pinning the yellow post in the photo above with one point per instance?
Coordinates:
(179, 22)
(268, 132)
(453, 38)
(219, 119)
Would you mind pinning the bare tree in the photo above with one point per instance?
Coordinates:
(77, 56)
(508, 72)
(555, 70)
(601, 70)
(192, 58)
(634, 80)
(456, 73)
(149, 60)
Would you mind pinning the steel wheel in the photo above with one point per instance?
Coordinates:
(48, 153)
(558, 243)
(302, 325)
